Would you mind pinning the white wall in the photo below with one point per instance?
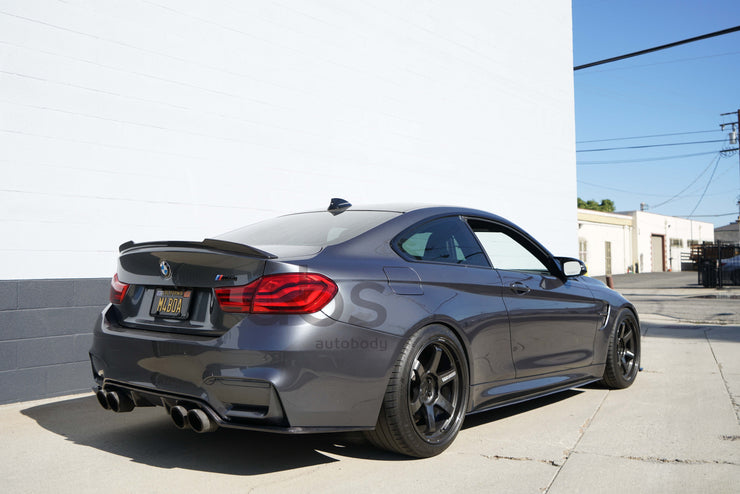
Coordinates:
(181, 119)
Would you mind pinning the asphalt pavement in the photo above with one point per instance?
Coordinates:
(676, 430)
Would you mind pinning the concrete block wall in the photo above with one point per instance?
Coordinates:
(45, 335)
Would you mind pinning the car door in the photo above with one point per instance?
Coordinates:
(459, 285)
(553, 320)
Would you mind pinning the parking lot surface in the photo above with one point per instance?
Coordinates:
(675, 430)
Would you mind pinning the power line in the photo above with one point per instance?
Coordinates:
(692, 183)
(709, 182)
(658, 48)
(643, 146)
(709, 215)
(643, 194)
(648, 136)
(637, 193)
(717, 157)
(643, 160)
(678, 60)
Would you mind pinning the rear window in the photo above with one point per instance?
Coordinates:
(314, 229)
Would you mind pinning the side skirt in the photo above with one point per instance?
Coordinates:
(494, 395)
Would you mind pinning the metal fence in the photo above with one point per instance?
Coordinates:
(717, 263)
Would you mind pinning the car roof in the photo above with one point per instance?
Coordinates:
(408, 207)
(413, 213)
(418, 211)
(396, 207)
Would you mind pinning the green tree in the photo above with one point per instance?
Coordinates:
(606, 205)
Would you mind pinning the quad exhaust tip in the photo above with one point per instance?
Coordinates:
(180, 417)
(114, 400)
(119, 402)
(200, 421)
(195, 419)
(100, 395)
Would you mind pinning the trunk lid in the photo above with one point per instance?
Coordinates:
(171, 284)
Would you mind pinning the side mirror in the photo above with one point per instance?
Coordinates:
(572, 267)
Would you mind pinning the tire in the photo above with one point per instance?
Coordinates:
(623, 355)
(427, 395)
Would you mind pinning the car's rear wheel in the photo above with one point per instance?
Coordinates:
(427, 396)
(623, 355)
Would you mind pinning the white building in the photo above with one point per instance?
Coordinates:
(637, 241)
(660, 241)
(605, 242)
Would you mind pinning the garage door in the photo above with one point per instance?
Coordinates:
(656, 243)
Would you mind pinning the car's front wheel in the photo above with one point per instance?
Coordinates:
(623, 355)
(427, 396)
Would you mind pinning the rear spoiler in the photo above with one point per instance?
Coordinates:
(209, 243)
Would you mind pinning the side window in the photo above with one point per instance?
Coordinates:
(446, 240)
(504, 251)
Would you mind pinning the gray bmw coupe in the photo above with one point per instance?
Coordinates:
(397, 320)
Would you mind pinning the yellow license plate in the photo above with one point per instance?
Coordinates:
(171, 303)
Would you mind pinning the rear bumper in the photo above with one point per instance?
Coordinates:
(280, 373)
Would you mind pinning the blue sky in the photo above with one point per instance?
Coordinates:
(681, 90)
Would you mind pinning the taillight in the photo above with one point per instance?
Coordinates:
(289, 293)
(236, 298)
(117, 290)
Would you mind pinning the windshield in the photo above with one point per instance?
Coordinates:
(315, 229)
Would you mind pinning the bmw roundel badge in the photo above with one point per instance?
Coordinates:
(164, 269)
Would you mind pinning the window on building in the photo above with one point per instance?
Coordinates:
(676, 242)
(583, 250)
(608, 257)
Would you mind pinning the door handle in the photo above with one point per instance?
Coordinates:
(519, 288)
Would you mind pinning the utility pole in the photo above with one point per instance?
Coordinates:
(728, 152)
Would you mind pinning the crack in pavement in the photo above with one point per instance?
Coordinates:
(680, 461)
(679, 319)
(521, 458)
(733, 401)
(672, 461)
(569, 452)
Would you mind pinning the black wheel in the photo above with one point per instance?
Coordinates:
(427, 396)
(623, 355)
